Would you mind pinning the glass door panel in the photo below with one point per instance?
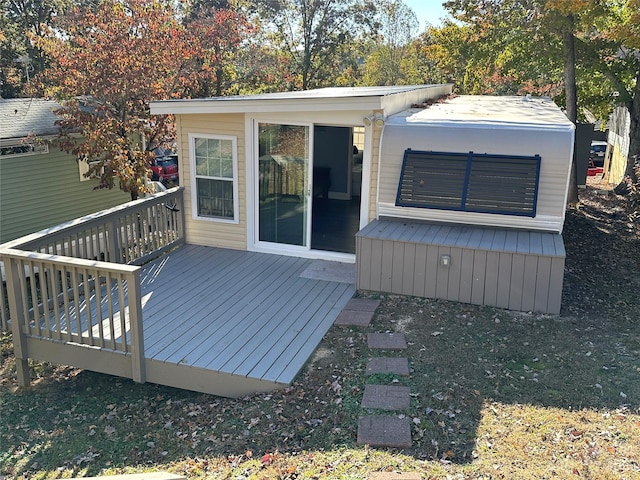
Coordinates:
(283, 183)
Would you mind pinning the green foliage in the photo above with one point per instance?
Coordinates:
(311, 34)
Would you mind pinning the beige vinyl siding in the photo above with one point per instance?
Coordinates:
(40, 191)
(211, 232)
(554, 146)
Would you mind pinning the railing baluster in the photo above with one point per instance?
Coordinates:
(109, 293)
(122, 304)
(56, 291)
(86, 303)
(33, 284)
(98, 302)
(46, 298)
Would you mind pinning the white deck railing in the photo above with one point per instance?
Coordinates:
(78, 284)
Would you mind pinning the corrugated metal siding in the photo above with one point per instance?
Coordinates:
(39, 191)
(206, 232)
(518, 270)
(554, 146)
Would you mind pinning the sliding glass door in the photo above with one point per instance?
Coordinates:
(283, 183)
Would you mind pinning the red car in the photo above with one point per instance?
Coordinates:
(164, 170)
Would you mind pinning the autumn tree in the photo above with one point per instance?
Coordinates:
(20, 58)
(108, 63)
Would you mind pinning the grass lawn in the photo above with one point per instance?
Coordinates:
(495, 394)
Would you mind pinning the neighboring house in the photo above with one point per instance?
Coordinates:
(40, 185)
(278, 173)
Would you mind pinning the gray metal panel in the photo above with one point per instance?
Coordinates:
(543, 283)
(410, 267)
(504, 279)
(420, 270)
(376, 265)
(529, 285)
(386, 266)
(430, 289)
(517, 282)
(491, 279)
(455, 272)
(505, 268)
(398, 267)
(442, 275)
(555, 285)
(466, 275)
(480, 280)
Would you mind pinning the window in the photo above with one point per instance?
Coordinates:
(214, 173)
(83, 169)
(21, 147)
(505, 184)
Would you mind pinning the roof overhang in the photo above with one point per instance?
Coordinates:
(388, 99)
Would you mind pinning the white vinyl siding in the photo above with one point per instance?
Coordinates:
(553, 145)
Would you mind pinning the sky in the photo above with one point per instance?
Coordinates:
(427, 11)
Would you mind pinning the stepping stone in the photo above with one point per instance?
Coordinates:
(395, 365)
(386, 397)
(362, 305)
(384, 431)
(354, 318)
(393, 476)
(387, 341)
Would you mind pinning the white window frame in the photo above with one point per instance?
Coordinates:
(38, 148)
(194, 177)
(83, 168)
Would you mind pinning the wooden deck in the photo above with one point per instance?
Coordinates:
(232, 322)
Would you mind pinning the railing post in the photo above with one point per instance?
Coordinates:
(14, 284)
(182, 215)
(135, 324)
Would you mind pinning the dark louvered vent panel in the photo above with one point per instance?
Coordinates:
(470, 182)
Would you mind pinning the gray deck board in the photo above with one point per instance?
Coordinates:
(229, 315)
(230, 322)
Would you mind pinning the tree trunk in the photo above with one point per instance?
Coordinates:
(570, 90)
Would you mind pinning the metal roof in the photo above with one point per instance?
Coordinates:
(467, 111)
(321, 99)
(21, 117)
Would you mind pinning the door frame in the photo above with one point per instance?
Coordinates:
(251, 172)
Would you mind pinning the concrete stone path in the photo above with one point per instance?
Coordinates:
(386, 397)
(358, 312)
(393, 365)
(393, 476)
(384, 431)
(387, 341)
(381, 430)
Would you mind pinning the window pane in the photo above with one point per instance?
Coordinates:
(201, 147)
(214, 157)
(215, 198)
